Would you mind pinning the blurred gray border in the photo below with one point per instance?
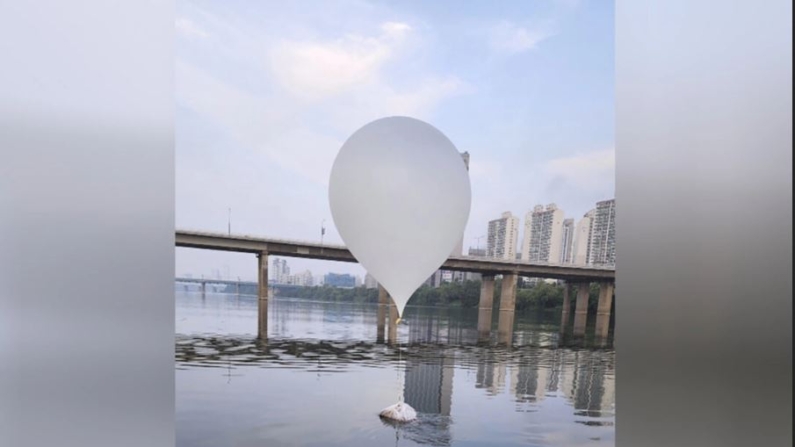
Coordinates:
(86, 224)
(704, 223)
(704, 287)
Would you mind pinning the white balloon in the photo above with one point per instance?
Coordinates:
(400, 199)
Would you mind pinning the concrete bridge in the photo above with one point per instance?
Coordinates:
(578, 279)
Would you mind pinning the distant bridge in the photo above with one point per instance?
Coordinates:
(223, 282)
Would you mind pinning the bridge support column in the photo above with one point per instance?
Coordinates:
(581, 308)
(392, 322)
(262, 302)
(564, 317)
(507, 308)
(383, 303)
(486, 305)
(603, 310)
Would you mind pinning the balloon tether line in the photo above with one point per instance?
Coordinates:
(400, 361)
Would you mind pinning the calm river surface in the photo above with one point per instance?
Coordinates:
(321, 379)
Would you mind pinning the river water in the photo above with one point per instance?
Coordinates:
(321, 378)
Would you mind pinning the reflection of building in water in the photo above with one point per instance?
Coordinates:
(484, 378)
(529, 381)
(589, 389)
(429, 389)
(429, 384)
(567, 373)
(587, 382)
(429, 381)
(554, 371)
(524, 382)
(490, 374)
(498, 378)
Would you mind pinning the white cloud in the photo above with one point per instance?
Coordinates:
(511, 38)
(325, 90)
(317, 70)
(395, 28)
(189, 29)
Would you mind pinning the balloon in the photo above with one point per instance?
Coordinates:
(400, 198)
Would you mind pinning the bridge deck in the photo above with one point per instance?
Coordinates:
(314, 250)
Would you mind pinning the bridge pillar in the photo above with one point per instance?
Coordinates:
(603, 309)
(392, 322)
(581, 308)
(262, 302)
(383, 303)
(507, 307)
(564, 317)
(485, 305)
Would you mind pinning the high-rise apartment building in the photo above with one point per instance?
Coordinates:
(603, 234)
(280, 274)
(567, 241)
(502, 236)
(543, 234)
(580, 252)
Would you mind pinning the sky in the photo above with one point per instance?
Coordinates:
(267, 92)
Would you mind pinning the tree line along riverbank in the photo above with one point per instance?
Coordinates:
(530, 297)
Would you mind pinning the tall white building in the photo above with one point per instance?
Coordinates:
(580, 252)
(603, 234)
(543, 234)
(280, 273)
(567, 241)
(502, 237)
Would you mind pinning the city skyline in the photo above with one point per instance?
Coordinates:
(527, 91)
